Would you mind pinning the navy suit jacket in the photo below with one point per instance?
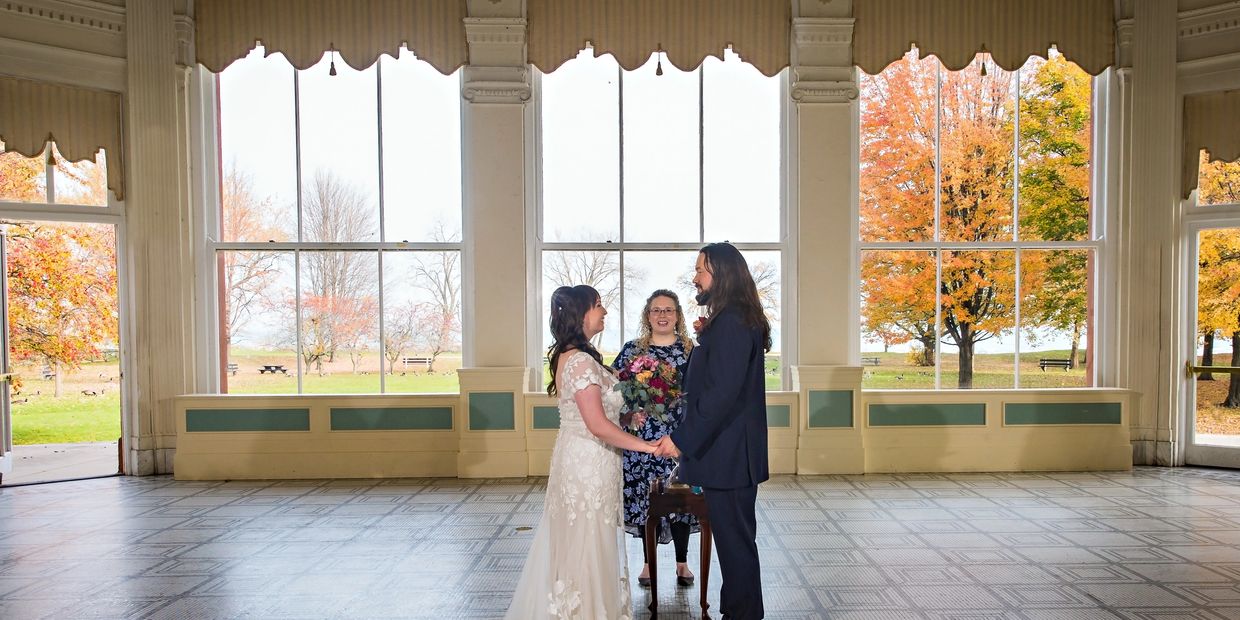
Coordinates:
(722, 439)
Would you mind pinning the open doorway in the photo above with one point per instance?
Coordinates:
(60, 394)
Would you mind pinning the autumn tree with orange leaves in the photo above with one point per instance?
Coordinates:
(62, 277)
(932, 136)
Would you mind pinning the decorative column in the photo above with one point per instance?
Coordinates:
(494, 117)
(157, 236)
(824, 220)
(1147, 228)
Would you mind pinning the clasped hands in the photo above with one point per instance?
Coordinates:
(664, 447)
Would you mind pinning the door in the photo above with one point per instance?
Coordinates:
(6, 372)
(1213, 373)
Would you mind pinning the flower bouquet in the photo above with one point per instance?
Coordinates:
(650, 385)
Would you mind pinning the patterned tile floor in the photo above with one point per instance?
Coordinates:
(1152, 544)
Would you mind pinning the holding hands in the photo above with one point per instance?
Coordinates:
(664, 448)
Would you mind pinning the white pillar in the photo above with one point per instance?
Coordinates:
(824, 221)
(157, 249)
(1147, 227)
(496, 91)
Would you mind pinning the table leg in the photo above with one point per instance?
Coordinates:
(704, 568)
(652, 547)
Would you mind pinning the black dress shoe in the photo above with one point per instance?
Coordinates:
(643, 582)
(684, 582)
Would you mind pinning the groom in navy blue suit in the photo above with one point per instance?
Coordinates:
(721, 442)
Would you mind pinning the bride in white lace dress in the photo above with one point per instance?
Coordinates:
(577, 566)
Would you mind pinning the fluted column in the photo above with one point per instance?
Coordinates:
(156, 249)
(1148, 231)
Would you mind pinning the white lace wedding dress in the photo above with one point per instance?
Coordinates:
(577, 566)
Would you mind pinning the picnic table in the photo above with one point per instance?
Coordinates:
(272, 368)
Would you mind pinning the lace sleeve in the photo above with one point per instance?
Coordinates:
(581, 371)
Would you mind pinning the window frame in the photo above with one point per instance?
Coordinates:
(1104, 176)
(786, 246)
(205, 146)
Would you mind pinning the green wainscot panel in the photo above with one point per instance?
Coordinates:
(391, 418)
(778, 416)
(546, 418)
(939, 414)
(491, 411)
(830, 409)
(1061, 413)
(226, 420)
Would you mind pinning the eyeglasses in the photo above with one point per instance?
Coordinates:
(659, 311)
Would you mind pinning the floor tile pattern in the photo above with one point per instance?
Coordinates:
(1151, 544)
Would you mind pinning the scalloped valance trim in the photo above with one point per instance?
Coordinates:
(359, 31)
(1211, 123)
(687, 31)
(1011, 31)
(80, 121)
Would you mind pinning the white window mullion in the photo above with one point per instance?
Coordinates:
(938, 235)
(382, 220)
(296, 253)
(1016, 328)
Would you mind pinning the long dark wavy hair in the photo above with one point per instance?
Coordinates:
(569, 305)
(732, 286)
(646, 331)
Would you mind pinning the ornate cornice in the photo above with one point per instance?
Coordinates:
(822, 31)
(841, 91)
(496, 85)
(1218, 19)
(86, 14)
(184, 27)
(822, 60)
(496, 41)
(1124, 35)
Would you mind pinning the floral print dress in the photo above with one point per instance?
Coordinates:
(640, 467)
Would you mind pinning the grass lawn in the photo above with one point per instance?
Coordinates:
(339, 377)
(1211, 418)
(990, 371)
(41, 417)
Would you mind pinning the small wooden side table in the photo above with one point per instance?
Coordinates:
(666, 500)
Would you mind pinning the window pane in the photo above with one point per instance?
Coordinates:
(646, 272)
(422, 321)
(1056, 129)
(1218, 182)
(339, 153)
(977, 153)
(258, 318)
(581, 150)
(662, 166)
(765, 267)
(258, 144)
(81, 183)
(421, 150)
(979, 313)
(897, 319)
(897, 151)
(339, 322)
(741, 160)
(1055, 291)
(595, 268)
(22, 179)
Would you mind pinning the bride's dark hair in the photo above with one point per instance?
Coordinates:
(569, 305)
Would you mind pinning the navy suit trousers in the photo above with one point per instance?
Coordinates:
(734, 525)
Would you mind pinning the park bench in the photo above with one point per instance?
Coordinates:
(233, 368)
(48, 373)
(870, 361)
(1054, 363)
(413, 361)
(272, 368)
